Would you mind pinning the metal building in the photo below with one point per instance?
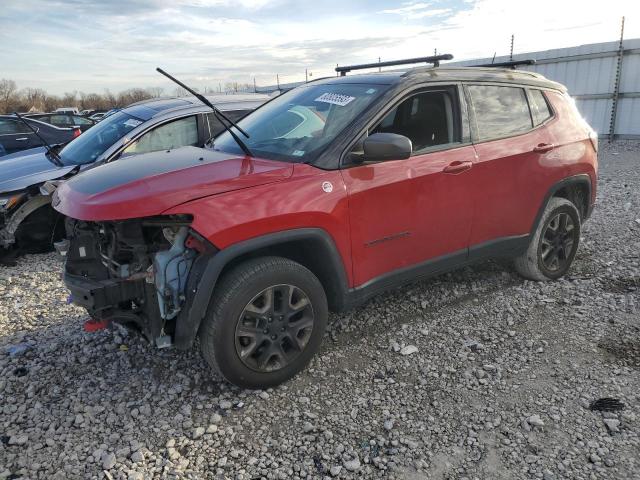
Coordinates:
(603, 78)
(590, 72)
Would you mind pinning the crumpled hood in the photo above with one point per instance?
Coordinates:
(22, 171)
(149, 184)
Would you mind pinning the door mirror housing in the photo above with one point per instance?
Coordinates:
(380, 147)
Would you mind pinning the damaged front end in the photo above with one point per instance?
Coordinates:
(141, 271)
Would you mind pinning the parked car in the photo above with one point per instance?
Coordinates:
(15, 136)
(26, 217)
(406, 175)
(72, 110)
(64, 120)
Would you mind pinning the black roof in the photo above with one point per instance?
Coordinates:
(448, 74)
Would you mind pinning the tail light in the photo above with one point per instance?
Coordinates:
(593, 136)
(76, 132)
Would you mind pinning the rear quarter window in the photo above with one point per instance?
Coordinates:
(500, 111)
(539, 107)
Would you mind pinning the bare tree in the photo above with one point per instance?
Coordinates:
(69, 99)
(51, 102)
(8, 90)
(34, 99)
(155, 92)
(12, 99)
(110, 99)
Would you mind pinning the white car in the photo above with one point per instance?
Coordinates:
(67, 110)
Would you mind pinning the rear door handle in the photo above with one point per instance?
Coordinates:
(21, 139)
(457, 167)
(544, 147)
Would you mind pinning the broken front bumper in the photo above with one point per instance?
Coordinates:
(100, 296)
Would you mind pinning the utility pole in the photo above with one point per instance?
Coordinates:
(306, 76)
(278, 80)
(511, 52)
(616, 86)
(255, 90)
(379, 68)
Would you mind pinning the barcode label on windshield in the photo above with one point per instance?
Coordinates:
(335, 99)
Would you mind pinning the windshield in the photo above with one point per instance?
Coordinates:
(95, 141)
(298, 125)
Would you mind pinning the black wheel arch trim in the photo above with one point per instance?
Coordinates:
(580, 179)
(207, 270)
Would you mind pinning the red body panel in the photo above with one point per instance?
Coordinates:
(300, 202)
(150, 196)
(407, 211)
(511, 179)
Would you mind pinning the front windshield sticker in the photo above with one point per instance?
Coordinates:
(335, 99)
(132, 122)
(370, 91)
(298, 153)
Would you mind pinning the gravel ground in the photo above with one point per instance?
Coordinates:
(475, 374)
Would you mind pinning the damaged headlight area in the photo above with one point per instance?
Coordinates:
(134, 271)
(8, 202)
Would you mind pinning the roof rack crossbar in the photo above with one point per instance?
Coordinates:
(513, 64)
(435, 60)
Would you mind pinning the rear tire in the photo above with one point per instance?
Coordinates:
(265, 322)
(554, 244)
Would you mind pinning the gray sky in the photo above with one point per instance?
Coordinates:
(90, 45)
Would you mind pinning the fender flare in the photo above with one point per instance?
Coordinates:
(580, 179)
(207, 269)
(7, 234)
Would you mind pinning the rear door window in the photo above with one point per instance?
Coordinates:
(539, 107)
(8, 127)
(62, 120)
(178, 133)
(500, 111)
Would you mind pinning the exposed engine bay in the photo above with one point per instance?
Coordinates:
(133, 271)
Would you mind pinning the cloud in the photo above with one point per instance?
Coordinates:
(91, 45)
(416, 11)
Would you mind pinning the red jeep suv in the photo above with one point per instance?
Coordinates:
(342, 188)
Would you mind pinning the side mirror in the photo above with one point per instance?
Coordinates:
(386, 146)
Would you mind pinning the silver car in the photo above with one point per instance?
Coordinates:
(27, 179)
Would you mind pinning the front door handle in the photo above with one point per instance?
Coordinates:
(21, 139)
(544, 147)
(457, 167)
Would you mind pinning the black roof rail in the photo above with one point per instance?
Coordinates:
(434, 59)
(512, 64)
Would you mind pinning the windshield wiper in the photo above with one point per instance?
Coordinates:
(222, 118)
(51, 153)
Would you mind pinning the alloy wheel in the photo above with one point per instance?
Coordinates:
(558, 241)
(274, 328)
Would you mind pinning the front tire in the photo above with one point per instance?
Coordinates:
(554, 243)
(265, 322)
(39, 231)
